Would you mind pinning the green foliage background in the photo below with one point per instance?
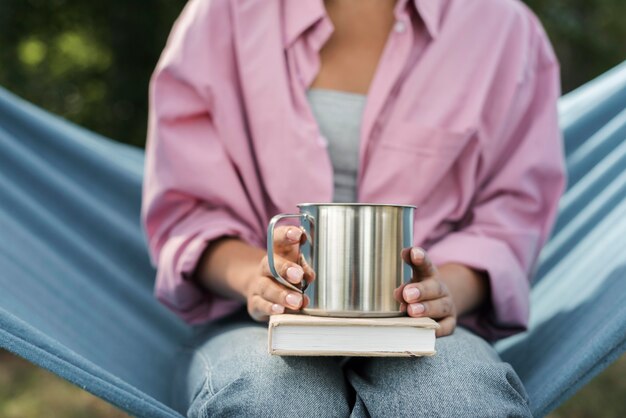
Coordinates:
(90, 61)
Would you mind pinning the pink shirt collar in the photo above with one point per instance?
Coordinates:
(303, 14)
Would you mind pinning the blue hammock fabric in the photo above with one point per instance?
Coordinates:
(76, 282)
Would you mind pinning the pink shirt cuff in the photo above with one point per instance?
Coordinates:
(178, 260)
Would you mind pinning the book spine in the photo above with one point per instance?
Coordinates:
(270, 332)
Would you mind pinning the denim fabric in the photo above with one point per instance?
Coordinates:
(227, 371)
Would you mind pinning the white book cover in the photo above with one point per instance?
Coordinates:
(305, 335)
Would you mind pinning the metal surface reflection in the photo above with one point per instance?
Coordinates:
(355, 251)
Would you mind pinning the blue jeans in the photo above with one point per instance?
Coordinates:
(227, 371)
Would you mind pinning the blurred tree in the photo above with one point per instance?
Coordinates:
(87, 61)
(589, 36)
(91, 61)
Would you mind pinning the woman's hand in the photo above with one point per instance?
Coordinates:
(427, 295)
(265, 296)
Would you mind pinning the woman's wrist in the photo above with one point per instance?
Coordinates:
(469, 287)
(227, 267)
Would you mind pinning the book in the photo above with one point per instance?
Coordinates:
(305, 335)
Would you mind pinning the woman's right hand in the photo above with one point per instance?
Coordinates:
(265, 296)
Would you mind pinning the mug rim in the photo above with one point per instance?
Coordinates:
(356, 205)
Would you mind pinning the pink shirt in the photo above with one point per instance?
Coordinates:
(460, 121)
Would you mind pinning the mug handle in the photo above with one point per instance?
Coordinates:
(270, 251)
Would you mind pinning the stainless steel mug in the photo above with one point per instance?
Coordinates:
(355, 253)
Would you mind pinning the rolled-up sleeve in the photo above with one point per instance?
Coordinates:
(192, 193)
(514, 209)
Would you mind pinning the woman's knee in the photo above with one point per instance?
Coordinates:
(242, 378)
(464, 378)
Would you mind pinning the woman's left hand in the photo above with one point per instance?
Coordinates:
(426, 295)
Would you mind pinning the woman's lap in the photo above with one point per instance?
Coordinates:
(227, 371)
(466, 378)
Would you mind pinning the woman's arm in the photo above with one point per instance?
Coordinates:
(515, 205)
(229, 264)
(192, 192)
(468, 287)
(234, 269)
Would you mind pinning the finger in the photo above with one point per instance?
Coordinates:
(436, 309)
(273, 292)
(309, 273)
(403, 307)
(446, 326)
(420, 262)
(287, 240)
(289, 270)
(305, 303)
(397, 293)
(425, 290)
(260, 309)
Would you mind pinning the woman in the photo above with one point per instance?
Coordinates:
(256, 106)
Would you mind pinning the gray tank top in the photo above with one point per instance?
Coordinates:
(339, 115)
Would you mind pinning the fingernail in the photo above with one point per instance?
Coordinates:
(294, 299)
(411, 294)
(276, 308)
(294, 234)
(294, 274)
(417, 254)
(417, 308)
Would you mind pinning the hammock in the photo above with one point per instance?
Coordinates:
(76, 281)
